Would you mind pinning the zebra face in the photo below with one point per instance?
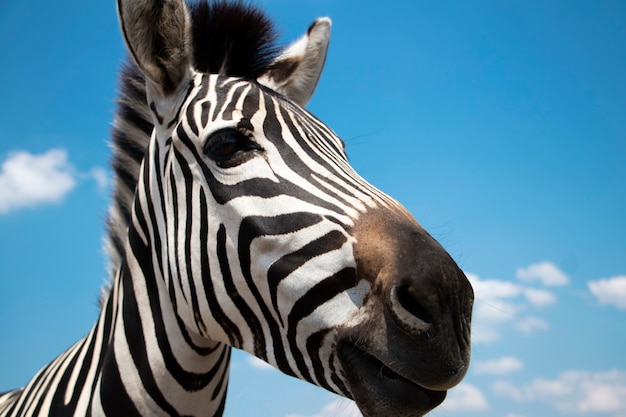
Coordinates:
(270, 242)
(293, 257)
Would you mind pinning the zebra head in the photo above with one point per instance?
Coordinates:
(261, 234)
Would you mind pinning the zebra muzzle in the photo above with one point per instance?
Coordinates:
(413, 342)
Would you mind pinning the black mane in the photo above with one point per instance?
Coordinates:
(229, 38)
(232, 38)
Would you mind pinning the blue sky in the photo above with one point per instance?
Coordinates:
(500, 125)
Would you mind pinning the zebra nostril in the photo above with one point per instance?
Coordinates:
(415, 304)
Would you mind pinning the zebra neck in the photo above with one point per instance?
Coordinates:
(133, 362)
(154, 365)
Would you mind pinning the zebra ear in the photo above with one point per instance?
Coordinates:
(157, 36)
(297, 70)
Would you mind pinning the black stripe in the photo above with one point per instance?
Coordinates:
(319, 294)
(221, 318)
(187, 177)
(113, 394)
(283, 267)
(223, 377)
(133, 327)
(253, 322)
(190, 381)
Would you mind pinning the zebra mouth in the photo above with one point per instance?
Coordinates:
(380, 391)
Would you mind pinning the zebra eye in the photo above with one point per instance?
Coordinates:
(229, 147)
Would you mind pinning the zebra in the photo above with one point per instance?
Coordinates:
(237, 221)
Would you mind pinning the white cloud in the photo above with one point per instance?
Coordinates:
(531, 324)
(501, 366)
(495, 299)
(464, 398)
(257, 363)
(545, 272)
(539, 298)
(28, 180)
(100, 176)
(499, 303)
(340, 407)
(484, 334)
(573, 392)
(610, 291)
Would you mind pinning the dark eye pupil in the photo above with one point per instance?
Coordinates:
(225, 144)
(228, 147)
